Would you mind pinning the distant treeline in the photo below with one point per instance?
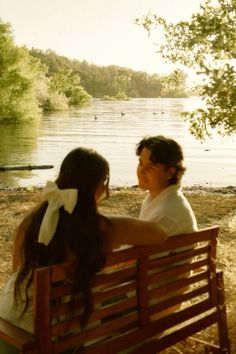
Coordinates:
(115, 81)
(32, 81)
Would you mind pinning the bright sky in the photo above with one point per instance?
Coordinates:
(100, 31)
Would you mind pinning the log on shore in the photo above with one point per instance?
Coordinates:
(26, 167)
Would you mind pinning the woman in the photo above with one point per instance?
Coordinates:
(68, 226)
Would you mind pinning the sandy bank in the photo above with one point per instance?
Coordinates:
(211, 205)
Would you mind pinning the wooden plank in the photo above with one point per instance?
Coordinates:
(172, 243)
(167, 341)
(164, 304)
(17, 337)
(171, 273)
(120, 308)
(139, 335)
(222, 323)
(175, 286)
(123, 288)
(142, 291)
(41, 306)
(102, 329)
(104, 311)
(115, 276)
(160, 262)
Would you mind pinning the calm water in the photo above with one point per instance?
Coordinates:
(212, 163)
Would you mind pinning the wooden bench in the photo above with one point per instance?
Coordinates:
(127, 295)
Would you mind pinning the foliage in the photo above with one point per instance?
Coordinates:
(26, 87)
(17, 96)
(206, 43)
(174, 84)
(108, 98)
(120, 96)
(67, 83)
(32, 81)
(40, 80)
(100, 81)
(78, 96)
(55, 101)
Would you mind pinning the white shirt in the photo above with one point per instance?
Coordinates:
(171, 210)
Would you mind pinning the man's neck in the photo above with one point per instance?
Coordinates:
(156, 192)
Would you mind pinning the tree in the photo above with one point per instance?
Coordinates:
(67, 83)
(18, 101)
(107, 81)
(40, 80)
(174, 85)
(207, 43)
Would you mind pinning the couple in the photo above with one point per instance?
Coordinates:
(67, 225)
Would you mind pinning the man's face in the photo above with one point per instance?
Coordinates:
(153, 177)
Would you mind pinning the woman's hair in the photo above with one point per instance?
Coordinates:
(165, 151)
(78, 233)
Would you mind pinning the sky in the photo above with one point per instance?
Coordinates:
(98, 31)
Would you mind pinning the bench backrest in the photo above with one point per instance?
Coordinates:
(132, 297)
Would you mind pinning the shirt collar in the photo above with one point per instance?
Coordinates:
(164, 194)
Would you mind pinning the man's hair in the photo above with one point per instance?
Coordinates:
(165, 151)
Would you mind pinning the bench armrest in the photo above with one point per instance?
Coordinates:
(15, 336)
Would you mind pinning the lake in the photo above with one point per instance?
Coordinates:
(116, 131)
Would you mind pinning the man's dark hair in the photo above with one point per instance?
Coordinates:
(165, 151)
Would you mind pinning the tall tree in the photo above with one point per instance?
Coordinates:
(17, 94)
(40, 80)
(207, 43)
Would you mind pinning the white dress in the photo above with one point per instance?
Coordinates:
(11, 311)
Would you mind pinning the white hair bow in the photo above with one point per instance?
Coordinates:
(56, 198)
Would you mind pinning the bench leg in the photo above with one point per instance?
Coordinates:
(222, 321)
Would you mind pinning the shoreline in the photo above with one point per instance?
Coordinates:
(189, 189)
(194, 188)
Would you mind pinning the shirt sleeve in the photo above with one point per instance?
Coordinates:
(168, 225)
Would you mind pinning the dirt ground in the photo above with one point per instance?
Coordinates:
(212, 206)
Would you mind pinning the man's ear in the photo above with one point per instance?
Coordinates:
(170, 172)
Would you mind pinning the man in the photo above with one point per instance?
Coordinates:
(159, 171)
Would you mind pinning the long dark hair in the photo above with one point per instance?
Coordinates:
(78, 233)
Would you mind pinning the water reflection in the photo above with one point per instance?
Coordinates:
(17, 146)
(114, 135)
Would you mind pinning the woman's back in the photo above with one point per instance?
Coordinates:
(67, 225)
